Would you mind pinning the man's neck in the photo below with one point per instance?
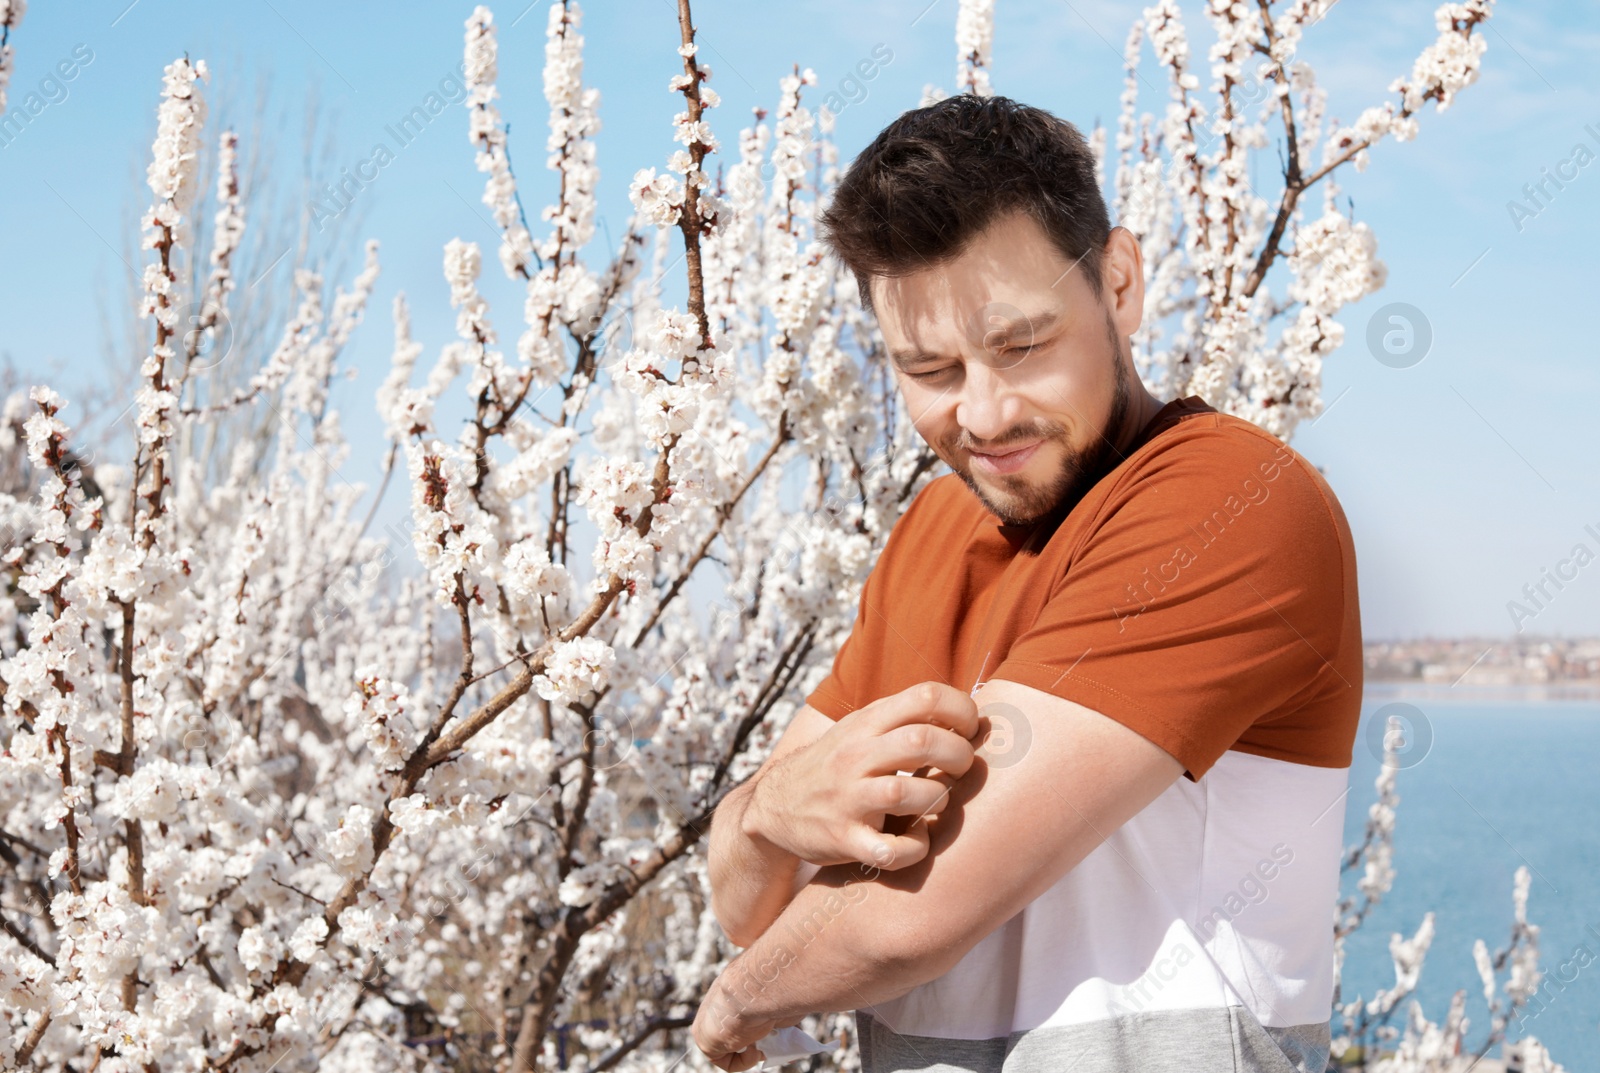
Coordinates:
(1140, 414)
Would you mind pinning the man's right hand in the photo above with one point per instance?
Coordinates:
(829, 802)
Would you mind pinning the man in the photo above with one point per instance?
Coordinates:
(1143, 615)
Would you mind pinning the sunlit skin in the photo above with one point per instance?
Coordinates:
(1016, 375)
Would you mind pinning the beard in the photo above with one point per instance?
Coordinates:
(1021, 501)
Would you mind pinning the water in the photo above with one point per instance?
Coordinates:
(1509, 779)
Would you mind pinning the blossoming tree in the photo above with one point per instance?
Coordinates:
(11, 12)
(280, 792)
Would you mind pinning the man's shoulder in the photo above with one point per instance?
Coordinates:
(1210, 433)
(1209, 472)
(1210, 452)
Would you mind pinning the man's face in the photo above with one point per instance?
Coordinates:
(1011, 368)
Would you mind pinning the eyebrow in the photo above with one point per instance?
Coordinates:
(910, 359)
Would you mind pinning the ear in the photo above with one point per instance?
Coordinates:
(1122, 279)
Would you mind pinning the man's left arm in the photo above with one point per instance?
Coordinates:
(856, 936)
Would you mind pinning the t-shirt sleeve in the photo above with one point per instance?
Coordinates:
(1210, 597)
(859, 667)
(841, 692)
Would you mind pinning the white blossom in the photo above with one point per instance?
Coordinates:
(379, 708)
(574, 669)
(974, 46)
(307, 938)
(659, 198)
(500, 191)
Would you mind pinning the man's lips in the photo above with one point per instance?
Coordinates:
(1004, 461)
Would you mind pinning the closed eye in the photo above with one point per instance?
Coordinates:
(1015, 351)
(1037, 344)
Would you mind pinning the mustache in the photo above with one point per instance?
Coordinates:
(1049, 430)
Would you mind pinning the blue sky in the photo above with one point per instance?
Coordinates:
(1464, 476)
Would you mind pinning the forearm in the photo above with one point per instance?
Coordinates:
(751, 878)
(830, 949)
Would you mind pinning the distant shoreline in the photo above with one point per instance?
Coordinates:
(1514, 664)
(1523, 692)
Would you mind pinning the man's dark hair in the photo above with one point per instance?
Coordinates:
(937, 176)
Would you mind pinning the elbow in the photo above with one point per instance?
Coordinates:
(743, 942)
(728, 919)
(735, 930)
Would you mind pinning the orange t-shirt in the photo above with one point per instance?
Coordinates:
(1203, 593)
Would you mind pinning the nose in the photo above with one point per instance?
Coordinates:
(984, 408)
